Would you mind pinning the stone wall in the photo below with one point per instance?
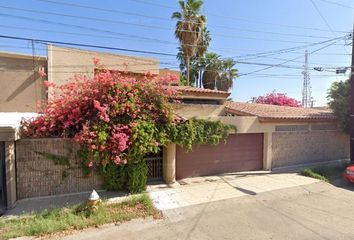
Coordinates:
(39, 175)
(295, 148)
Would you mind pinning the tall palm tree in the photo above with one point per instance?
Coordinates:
(189, 28)
(197, 62)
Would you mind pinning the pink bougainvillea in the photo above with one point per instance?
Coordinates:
(110, 115)
(278, 99)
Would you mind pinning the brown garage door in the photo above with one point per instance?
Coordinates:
(242, 152)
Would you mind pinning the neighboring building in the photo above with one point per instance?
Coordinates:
(63, 63)
(21, 81)
(21, 86)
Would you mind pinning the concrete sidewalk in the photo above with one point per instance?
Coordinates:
(42, 203)
(200, 190)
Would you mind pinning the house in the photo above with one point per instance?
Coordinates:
(268, 137)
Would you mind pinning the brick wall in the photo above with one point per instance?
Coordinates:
(38, 175)
(293, 148)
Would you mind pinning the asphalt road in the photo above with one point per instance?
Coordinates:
(315, 211)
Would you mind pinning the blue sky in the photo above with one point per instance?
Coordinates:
(238, 28)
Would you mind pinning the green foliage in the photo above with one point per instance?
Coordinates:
(131, 177)
(308, 172)
(84, 154)
(339, 101)
(137, 177)
(57, 159)
(326, 173)
(75, 217)
(200, 131)
(115, 177)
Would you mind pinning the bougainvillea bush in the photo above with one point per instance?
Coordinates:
(117, 120)
(278, 99)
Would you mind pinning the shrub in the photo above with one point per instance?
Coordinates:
(117, 120)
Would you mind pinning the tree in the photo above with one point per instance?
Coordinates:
(277, 99)
(227, 74)
(189, 30)
(339, 101)
(217, 73)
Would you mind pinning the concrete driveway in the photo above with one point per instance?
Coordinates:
(200, 190)
(313, 211)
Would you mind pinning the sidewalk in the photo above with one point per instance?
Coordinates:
(199, 190)
(41, 203)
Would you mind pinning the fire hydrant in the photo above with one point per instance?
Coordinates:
(93, 200)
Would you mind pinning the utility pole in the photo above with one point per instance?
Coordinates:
(306, 88)
(352, 102)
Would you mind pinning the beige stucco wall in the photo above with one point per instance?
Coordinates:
(295, 148)
(21, 87)
(198, 110)
(63, 63)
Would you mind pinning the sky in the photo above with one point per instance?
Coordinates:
(250, 31)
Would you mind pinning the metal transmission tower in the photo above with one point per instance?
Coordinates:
(306, 88)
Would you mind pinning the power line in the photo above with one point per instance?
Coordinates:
(286, 50)
(240, 19)
(168, 19)
(134, 36)
(280, 64)
(153, 26)
(325, 20)
(158, 53)
(86, 45)
(338, 4)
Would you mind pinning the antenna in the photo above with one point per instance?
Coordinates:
(307, 100)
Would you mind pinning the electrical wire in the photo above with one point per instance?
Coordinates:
(131, 35)
(239, 19)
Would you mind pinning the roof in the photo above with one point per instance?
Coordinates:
(187, 89)
(273, 112)
(21, 56)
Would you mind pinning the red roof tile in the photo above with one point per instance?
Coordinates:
(188, 89)
(274, 112)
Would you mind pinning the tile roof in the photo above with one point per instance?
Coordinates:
(273, 112)
(187, 89)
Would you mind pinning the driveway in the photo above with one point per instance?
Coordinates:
(309, 211)
(200, 190)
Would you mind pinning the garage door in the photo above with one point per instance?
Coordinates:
(241, 152)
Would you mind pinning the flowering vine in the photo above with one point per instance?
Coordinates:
(118, 119)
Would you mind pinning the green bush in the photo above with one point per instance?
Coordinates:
(137, 176)
(115, 177)
(131, 177)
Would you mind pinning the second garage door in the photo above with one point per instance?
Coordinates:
(241, 152)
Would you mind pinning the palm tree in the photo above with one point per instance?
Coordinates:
(197, 62)
(212, 66)
(226, 75)
(189, 28)
(218, 74)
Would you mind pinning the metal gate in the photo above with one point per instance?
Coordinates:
(154, 168)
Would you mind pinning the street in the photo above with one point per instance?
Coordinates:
(314, 211)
